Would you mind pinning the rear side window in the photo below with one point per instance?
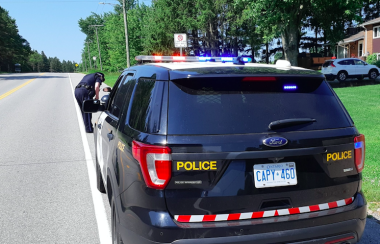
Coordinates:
(343, 62)
(145, 111)
(118, 100)
(233, 106)
(327, 64)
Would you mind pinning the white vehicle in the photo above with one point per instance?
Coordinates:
(342, 69)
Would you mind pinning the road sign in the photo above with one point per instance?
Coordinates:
(180, 40)
(76, 65)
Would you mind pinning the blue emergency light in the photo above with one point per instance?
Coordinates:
(204, 58)
(290, 87)
(227, 59)
(358, 145)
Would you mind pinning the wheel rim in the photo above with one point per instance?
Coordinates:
(373, 75)
(342, 76)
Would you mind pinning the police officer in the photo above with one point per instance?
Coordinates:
(87, 88)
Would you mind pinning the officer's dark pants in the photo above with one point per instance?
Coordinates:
(81, 94)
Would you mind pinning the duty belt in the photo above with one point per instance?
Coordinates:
(85, 86)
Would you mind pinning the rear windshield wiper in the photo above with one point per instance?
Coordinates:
(289, 122)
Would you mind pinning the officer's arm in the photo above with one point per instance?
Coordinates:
(97, 89)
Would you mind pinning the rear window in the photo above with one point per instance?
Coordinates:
(327, 63)
(233, 106)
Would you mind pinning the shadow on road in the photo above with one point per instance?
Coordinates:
(354, 82)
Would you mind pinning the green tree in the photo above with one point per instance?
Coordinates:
(13, 47)
(287, 18)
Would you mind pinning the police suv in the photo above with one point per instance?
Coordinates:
(199, 151)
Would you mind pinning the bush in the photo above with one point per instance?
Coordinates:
(372, 59)
(377, 63)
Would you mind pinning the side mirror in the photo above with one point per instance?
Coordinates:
(104, 99)
(92, 106)
(107, 89)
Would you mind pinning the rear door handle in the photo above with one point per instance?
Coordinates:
(99, 126)
(110, 136)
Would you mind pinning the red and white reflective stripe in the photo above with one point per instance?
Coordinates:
(261, 214)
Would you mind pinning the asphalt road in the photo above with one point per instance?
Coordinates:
(45, 163)
(45, 188)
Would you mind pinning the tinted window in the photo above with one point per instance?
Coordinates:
(141, 105)
(343, 62)
(118, 99)
(327, 63)
(231, 106)
(350, 62)
(359, 62)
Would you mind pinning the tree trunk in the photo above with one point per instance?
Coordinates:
(325, 46)
(316, 40)
(212, 40)
(195, 42)
(289, 38)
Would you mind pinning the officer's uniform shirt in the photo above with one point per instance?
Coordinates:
(90, 80)
(82, 93)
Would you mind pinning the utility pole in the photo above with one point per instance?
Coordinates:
(126, 33)
(97, 38)
(88, 48)
(84, 57)
(125, 30)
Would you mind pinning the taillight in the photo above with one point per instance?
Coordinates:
(359, 152)
(155, 163)
(332, 65)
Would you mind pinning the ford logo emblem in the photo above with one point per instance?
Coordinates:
(275, 142)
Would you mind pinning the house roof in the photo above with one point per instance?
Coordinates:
(374, 21)
(354, 38)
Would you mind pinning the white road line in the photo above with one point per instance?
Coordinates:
(100, 212)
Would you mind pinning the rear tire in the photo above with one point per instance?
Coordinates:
(342, 76)
(99, 178)
(114, 229)
(373, 74)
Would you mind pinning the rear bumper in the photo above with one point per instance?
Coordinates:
(342, 224)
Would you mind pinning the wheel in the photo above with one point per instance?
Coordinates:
(99, 178)
(114, 229)
(342, 76)
(373, 74)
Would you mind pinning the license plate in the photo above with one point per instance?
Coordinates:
(272, 175)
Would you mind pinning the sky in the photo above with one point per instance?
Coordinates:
(52, 25)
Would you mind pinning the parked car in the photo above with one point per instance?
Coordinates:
(342, 69)
(208, 152)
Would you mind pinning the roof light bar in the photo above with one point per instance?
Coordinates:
(189, 59)
(227, 59)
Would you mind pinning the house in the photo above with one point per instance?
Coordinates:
(352, 46)
(362, 44)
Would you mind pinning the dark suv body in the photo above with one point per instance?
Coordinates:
(218, 153)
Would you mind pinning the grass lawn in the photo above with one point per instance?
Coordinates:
(363, 104)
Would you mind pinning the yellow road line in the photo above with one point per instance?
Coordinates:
(17, 88)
